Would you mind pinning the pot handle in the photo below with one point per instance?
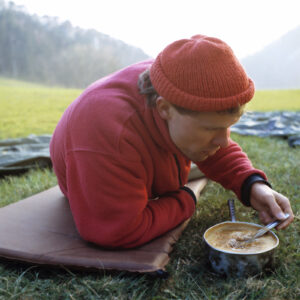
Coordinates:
(231, 209)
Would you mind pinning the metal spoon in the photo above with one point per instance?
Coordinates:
(261, 231)
(265, 229)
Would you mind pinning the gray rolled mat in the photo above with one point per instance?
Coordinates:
(284, 124)
(21, 154)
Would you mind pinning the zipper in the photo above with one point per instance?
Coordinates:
(178, 168)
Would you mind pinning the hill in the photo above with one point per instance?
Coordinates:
(45, 50)
(277, 66)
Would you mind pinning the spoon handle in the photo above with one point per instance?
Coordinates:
(231, 209)
(269, 227)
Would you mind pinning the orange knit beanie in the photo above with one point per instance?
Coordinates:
(201, 74)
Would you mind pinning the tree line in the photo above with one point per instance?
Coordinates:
(46, 50)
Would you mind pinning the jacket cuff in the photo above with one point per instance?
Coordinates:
(247, 185)
(187, 189)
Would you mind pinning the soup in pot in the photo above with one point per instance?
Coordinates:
(231, 236)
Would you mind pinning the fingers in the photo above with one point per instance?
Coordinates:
(265, 217)
(275, 209)
(286, 223)
(271, 205)
(285, 205)
(278, 206)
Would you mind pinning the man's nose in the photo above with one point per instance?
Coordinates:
(222, 138)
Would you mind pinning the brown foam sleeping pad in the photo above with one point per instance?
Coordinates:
(40, 230)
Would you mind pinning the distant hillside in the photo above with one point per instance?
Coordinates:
(278, 65)
(48, 51)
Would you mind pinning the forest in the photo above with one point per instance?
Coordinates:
(53, 52)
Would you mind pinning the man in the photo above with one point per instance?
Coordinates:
(122, 150)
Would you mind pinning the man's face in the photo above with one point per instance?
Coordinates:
(198, 136)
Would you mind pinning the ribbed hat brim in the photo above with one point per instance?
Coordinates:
(170, 92)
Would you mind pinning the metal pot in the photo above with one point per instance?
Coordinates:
(241, 264)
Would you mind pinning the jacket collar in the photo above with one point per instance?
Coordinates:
(159, 131)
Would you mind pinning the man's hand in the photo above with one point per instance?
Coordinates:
(270, 205)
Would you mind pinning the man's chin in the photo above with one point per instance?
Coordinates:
(198, 157)
(204, 155)
(202, 158)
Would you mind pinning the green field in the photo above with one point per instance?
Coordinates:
(28, 108)
(275, 100)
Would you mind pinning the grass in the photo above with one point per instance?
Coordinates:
(275, 100)
(191, 276)
(30, 108)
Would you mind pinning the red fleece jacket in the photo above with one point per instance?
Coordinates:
(116, 163)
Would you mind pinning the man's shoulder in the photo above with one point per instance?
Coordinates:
(128, 75)
(109, 113)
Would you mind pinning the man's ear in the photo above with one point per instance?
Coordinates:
(164, 108)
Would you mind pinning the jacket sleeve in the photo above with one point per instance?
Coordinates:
(110, 204)
(230, 167)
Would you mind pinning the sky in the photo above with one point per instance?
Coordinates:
(246, 25)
